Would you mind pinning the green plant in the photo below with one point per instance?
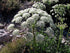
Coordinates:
(58, 11)
(14, 47)
(28, 17)
(41, 36)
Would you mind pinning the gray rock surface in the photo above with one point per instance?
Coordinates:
(4, 36)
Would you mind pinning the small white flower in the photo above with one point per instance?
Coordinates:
(21, 12)
(18, 20)
(40, 38)
(49, 31)
(15, 32)
(17, 15)
(44, 1)
(26, 10)
(55, 12)
(24, 25)
(25, 15)
(55, 6)
(33, 10)
(49, 15)
(40, 24)
(39, 5)
(63, 40)
(52, 13)
(35, 16)
(55, 15)
(51, 10)
(63, 14)
(43, 13)
(44, 18)
(39, 11)
(13, 20)
(29, 36)
(10, 27)
(30, 21)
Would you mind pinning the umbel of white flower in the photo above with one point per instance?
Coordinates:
(15, 32)
(35, 16)
(30, 21)
(10, 27)
(40, 38)
(44, 19)
(25, 15)
(33, 11)
(31, 17)
(17, 15)
(39, 5)
(40, 24)
(50, 31)
(29, 36)
(24, 25)
(58, 10)
(17, 20)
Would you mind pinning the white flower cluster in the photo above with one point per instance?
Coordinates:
(49, 1)
(17, 20)
(28, 17)
(17, 15)
(44, 18)
(24, 25)
(40, 38)
(10, 27)
(50, 31)
(58, 10)
(33, 11)
(29, 36)
(25, 15)
(36, 16)
(15, 32)
(40, 24)
(30, 21)
(39, 5)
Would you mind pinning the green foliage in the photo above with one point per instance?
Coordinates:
(14, 47)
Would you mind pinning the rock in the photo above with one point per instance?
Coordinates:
(4, 39)
(4, 36)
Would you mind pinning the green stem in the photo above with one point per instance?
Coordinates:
(59, 40)
(34, 40)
